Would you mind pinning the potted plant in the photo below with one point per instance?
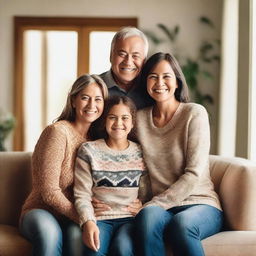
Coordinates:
(7, 123)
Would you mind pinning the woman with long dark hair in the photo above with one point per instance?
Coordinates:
(175, 139)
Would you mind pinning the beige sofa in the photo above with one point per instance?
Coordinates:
(234, 179)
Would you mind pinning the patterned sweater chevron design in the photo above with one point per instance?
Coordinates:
(109, 175)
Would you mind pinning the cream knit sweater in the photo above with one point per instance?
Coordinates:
(177, 157)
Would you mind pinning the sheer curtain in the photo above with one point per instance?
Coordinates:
(252, 100)
(228, 80)
(237, 105)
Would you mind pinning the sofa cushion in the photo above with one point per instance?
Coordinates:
(12, 243)
(235, 243)
(235, 182)
(15, 184)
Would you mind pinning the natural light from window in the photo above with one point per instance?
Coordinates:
(50, 70)
(32, 87)
(100, 42)
(50, 59)
(61, 69)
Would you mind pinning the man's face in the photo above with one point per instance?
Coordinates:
(127, 59)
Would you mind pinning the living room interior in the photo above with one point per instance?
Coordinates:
(231, 110)
(217, 35)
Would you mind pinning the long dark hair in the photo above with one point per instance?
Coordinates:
(181, 93)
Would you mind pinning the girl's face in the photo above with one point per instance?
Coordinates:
(119, 122)
(89, 103)
(162, 82)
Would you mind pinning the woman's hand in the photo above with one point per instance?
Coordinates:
(91, 235)
(99, 207)
(134, 207)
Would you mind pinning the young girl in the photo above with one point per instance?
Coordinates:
(109, 169)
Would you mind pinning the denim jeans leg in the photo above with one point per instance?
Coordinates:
(122, 243)
(106, 228)
(190, 225)
(150, 224)
(43, 230)
(72, 238)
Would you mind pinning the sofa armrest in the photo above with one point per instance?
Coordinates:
(235, 182)
(15, 184)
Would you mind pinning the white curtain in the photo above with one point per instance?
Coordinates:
(228, 80)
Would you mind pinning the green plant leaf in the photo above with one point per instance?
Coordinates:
(153, 37)
(218, 42)
(206, 59)
(176, 30)
(207, 74)
(198, 97)
(6, 126)
(191, 67)
(205, 48)
(206, 21)
(216, 57)
(192, 82)
(167, 32)
(208, 98)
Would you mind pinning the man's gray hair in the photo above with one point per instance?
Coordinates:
(126, 32)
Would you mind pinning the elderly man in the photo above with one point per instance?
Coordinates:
(129, 50)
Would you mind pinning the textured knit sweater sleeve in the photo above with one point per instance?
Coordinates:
(47, 164)
(83, 186)
(196, 161)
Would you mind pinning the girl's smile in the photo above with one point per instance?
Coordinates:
(118, 124)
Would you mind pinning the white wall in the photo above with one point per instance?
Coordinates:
(149, 13)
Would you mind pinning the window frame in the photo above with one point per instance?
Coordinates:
(82, 25)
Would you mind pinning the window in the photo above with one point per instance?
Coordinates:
(50, 67)
(99, 56)
(49, 54)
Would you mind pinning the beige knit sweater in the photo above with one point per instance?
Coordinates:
(177, 157)
(53, 171)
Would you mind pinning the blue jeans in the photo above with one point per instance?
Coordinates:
(182, 227)
(114, 234)
(50, 236)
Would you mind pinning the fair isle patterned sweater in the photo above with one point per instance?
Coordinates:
(109, 175)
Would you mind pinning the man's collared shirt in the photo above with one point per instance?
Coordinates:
(140, 98)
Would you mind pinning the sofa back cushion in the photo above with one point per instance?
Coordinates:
(234, 179)
(15, 184)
